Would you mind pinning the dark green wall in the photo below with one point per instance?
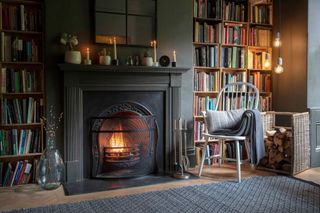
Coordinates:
(76, 17)
(314, 79)
(314, 54)
(290, 87)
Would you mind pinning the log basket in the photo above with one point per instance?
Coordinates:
(300, 142)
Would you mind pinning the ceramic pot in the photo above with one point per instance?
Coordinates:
(105, 60)
(147, 61)
(72, 57)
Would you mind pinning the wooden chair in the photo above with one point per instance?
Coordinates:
(239, 95)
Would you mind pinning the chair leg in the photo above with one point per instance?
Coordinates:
(220, 153)
(238, 162)
(203, 156)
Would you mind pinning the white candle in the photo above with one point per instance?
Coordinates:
(88, 53)
(155, 51)
(115, 47)
(174, 56)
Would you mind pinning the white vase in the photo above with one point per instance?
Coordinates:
(147, 61)
(105, 60)
(72, 57)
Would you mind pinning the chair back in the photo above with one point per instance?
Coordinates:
(238, 95)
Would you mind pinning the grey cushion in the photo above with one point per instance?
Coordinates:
(217, 120)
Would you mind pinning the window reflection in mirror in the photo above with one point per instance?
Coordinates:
(132, 22)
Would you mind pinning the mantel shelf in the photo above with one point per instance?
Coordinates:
(122, 69)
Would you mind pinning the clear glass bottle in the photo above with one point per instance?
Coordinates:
(50, 170)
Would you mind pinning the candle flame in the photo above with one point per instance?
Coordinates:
(153, 43)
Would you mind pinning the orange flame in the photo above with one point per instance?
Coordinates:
(117, 140)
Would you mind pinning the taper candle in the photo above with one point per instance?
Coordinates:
(88, 53)
(174, 56)
(115, 47)
(155, 51)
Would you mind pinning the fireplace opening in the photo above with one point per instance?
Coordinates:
(124, 142)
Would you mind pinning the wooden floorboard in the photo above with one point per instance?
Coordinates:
(32, 195)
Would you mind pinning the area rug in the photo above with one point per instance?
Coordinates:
(257, 194)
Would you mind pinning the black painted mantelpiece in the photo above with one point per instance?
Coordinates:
(79, 79)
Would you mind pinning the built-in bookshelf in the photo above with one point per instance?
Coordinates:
(232, 42)
(22, 90)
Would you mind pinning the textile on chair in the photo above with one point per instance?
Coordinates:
(239, 123)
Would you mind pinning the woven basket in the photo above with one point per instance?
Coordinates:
(300, 149)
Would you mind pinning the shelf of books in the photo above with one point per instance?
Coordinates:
(21, 91)
(232, 42)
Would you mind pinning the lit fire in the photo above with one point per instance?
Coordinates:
(118, 150)
(117, 140)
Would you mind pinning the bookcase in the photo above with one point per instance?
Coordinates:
(232, 42)
(22, 90)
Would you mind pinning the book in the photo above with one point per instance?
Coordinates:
(14, 141)
(26, 174)
(30, 110)
(21, 142)
(28, 141)
(7, 174)
(3, 80)
(18, 173)
(12, 178)
(21, 174)
(22, 18)
(1, 173)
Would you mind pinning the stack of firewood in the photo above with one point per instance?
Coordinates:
(278, 150)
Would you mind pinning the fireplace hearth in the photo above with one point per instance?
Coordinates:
(107, 108)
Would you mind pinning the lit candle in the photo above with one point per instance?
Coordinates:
(155, 51)
(115, 47)
(174, 56)
(88, 53)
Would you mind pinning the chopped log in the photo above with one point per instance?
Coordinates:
(280, 148)
(286, 167)
(264, 161)
(279, 157)
(268, 144)
(277, 141)
(287, 144)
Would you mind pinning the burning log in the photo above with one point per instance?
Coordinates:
(121, 154)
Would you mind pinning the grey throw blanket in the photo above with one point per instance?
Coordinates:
(239, 123)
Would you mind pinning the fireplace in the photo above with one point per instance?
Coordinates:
(118, 120)
(124, 139)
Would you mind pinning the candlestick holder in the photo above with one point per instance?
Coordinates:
(155, 64)
(87, 61)
(115, 62)
(174, 64)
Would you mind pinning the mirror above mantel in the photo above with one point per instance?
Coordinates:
(132, 22)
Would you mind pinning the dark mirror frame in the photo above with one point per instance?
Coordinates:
(132, 22)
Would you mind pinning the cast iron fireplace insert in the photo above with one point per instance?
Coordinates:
(123, 143)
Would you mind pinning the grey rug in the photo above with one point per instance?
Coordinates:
(258, 194)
